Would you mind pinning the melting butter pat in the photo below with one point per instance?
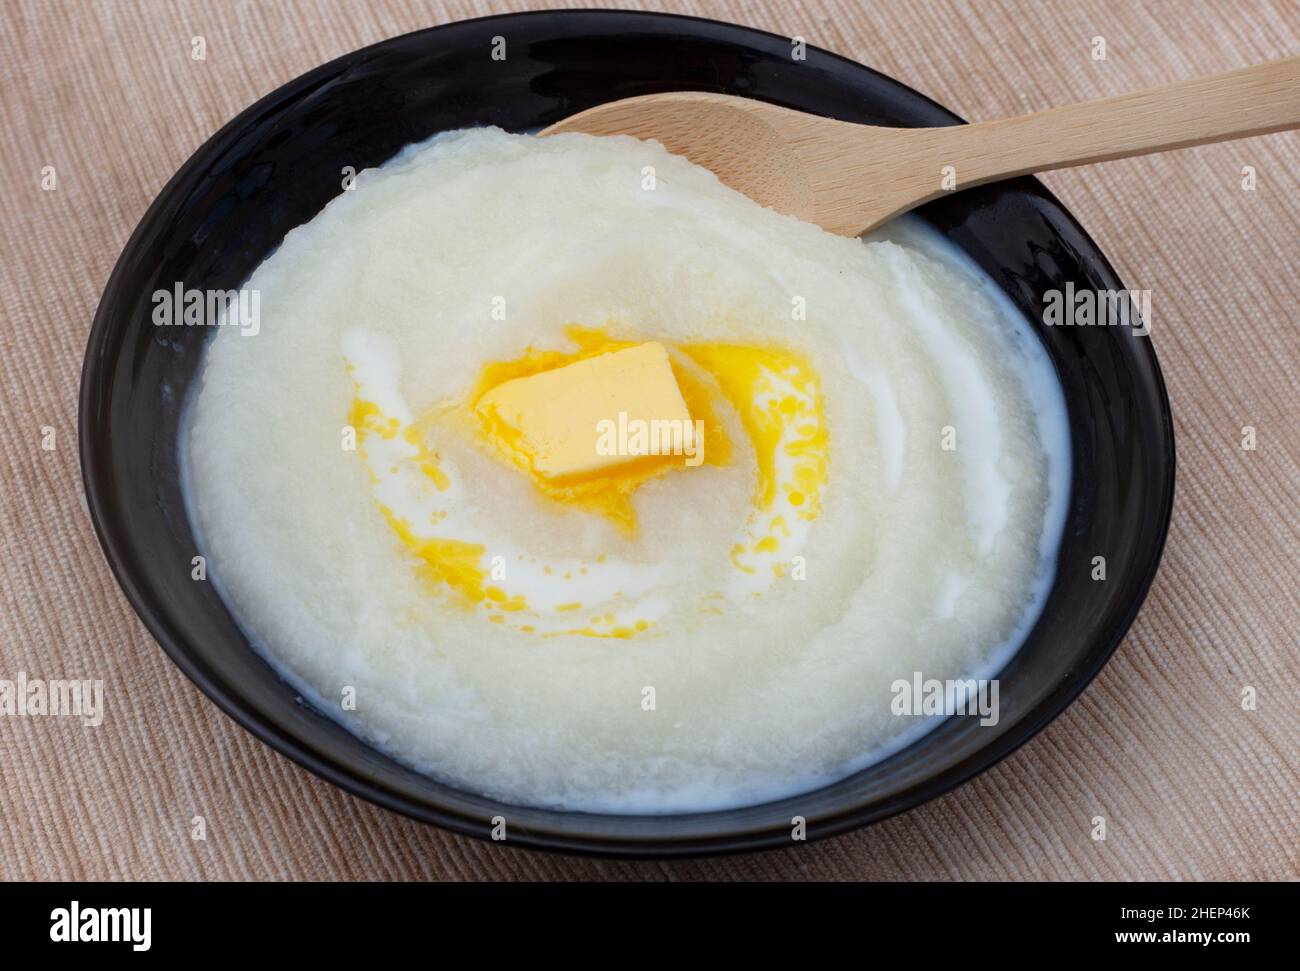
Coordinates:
(564, 423)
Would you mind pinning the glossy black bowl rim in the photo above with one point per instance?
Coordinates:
(97, 489)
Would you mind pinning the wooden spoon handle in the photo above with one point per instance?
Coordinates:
(1252, 101)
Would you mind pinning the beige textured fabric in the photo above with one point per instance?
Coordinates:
(1191, 785)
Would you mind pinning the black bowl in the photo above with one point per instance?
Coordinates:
(277, 164)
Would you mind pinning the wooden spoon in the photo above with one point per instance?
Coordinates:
(850, 178)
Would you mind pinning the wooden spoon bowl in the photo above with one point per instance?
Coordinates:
(850, 178)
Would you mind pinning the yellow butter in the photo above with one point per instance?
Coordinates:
(552, 421)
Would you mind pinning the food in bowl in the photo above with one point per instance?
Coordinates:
(569, 476)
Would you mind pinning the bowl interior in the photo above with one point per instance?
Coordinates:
(276, 165)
